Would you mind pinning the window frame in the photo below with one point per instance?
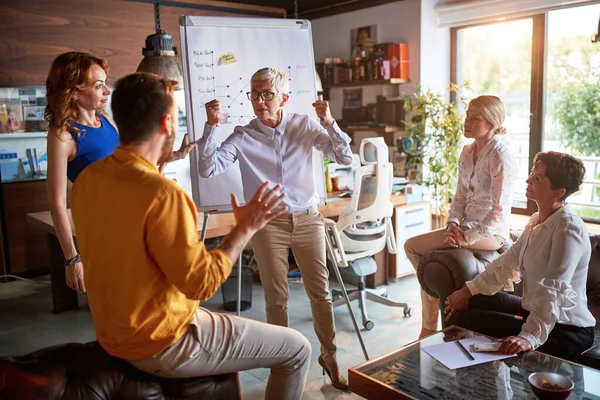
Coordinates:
(538, 82)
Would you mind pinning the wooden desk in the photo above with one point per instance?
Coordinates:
(64, 298)
(22, 247)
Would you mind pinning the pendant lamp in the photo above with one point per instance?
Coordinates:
(160, 54)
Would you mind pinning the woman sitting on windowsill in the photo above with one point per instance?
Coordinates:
(480, 211)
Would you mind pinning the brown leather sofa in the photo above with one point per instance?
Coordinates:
(441, 272)
(86, 371)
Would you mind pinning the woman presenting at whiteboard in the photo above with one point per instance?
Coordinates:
(79, 133)
(277, 146)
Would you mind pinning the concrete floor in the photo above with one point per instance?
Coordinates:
(27, 324)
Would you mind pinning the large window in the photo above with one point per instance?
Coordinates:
(547, 72)
(496, 59)
(572, 120)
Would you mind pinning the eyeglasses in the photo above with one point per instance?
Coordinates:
(266, 96)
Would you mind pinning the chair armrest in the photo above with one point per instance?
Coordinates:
(333, 241)
(391, 237)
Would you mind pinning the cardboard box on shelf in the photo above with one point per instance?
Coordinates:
(399, 63)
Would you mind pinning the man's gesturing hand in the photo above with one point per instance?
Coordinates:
(260, 209)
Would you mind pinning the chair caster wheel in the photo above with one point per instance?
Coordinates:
(368, 325)
(407, 311)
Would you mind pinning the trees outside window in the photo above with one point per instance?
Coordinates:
(546, 70)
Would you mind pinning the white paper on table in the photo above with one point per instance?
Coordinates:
(451, 355)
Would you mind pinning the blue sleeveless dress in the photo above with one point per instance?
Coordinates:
(92, 145)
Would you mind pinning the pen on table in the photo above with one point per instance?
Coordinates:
(469, 355)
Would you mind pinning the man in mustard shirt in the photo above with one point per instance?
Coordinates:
(145, 269)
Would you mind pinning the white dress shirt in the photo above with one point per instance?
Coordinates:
(280, 155)
(553, 259)
(483, 199)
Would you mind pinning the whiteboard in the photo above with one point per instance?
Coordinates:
(256, 43)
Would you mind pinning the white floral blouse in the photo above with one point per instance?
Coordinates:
(483, 198)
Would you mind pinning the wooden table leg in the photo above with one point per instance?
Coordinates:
(63, 297)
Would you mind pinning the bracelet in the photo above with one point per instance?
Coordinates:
(72, 261)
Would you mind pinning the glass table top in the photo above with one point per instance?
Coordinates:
(410, 372)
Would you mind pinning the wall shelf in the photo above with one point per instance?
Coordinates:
(368, 128)
(387, 132)
(392, 81)
(23, 135)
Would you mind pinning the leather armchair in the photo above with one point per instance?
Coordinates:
(441, 272)
(86, 371)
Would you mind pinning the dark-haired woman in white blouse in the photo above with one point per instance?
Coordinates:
(552, 257)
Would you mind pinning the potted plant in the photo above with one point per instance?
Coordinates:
(435, 133)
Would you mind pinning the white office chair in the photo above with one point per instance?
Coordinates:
(363, 230)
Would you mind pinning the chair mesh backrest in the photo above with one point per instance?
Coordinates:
(364, 220)
(368, 192)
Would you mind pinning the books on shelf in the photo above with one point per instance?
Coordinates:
(14, 168)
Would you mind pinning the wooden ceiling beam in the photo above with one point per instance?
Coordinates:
(313, 9)
(328, 8)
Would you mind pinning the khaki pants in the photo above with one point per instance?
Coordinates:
(418, 245)
(304, 233)
(220, 343)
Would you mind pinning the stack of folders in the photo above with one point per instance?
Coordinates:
(34, 166)
(399, 185)
(37, 162)
(13, 168)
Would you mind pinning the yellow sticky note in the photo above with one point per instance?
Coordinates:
(228, 58)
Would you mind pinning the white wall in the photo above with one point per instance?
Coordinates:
(435, 50)
(396, 22)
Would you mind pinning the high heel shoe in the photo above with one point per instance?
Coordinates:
(340, 383)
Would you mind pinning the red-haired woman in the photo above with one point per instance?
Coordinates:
(79, 133)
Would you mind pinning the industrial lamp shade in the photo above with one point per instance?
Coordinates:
(160, 57)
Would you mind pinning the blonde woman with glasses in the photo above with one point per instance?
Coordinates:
(277, 146)
(480, 210)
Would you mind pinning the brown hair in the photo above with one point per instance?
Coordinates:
(139, 102)
(69, 72)
(563, 170)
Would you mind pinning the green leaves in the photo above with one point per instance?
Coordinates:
(437, 127)
(577, 111)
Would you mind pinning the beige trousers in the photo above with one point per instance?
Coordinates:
(304, 233)
(220, 343)
(418, 245)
